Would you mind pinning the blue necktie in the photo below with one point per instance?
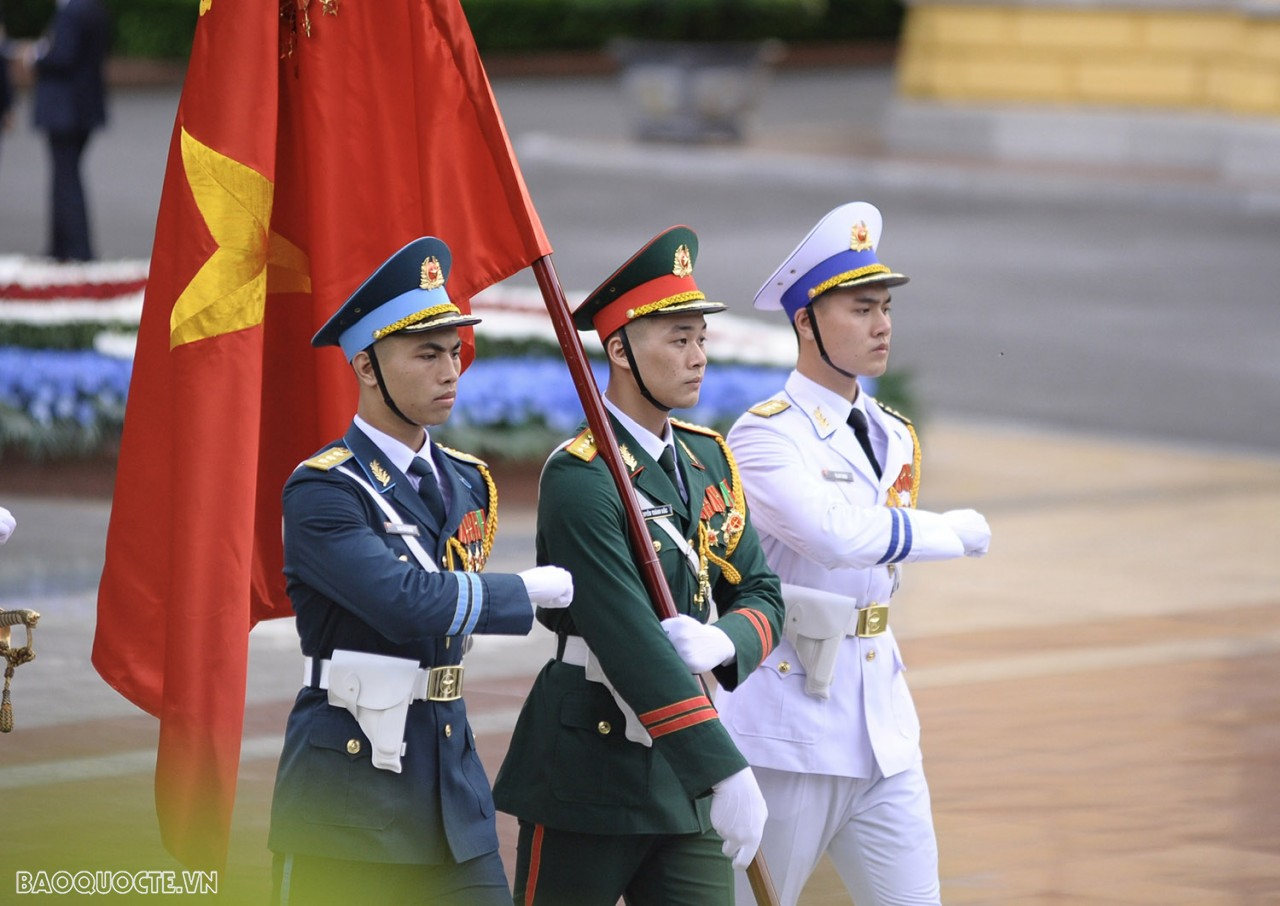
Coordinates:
(428, 489)
(858, 422)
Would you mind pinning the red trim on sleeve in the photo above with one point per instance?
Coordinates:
(693, 718)
(762, 627)
(674, 710)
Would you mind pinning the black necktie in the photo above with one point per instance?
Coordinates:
(668, 462)
(858, 422)
(428, 488)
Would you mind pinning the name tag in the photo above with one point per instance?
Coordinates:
(401, 528)
(831, 475)
(657, 512)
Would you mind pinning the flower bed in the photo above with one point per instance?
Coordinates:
(67, 334)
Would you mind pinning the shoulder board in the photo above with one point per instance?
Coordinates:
(331, 457)
(583, 446)
(462, 457)
(895, 413)
(769, 408)
(696, 429)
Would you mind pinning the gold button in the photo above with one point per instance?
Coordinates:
(657, 546)
(893, 568)
(784, 667)
(604, 727)
(871, 655)
(448, 730)
(353, 747)
(404, 557)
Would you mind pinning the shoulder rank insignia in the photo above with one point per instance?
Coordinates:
(383, 476)
(583, 446)
(696, 429)
(894, 412)
(460, 456)
(329, 458)
(769, 408)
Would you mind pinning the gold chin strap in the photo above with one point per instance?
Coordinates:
(14, 656)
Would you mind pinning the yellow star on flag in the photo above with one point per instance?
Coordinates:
(229, 292)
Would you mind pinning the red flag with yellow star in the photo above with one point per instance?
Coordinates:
(308, 146)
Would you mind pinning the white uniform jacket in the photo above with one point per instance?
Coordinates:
(823, 523)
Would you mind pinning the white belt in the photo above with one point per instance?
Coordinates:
(575, 651)
(436, 684)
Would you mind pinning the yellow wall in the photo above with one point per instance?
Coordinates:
(1114, 55)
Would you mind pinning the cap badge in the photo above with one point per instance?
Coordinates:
(432, 276)
(861, 240)
(683, 265)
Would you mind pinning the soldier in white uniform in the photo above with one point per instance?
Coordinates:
(827, 722)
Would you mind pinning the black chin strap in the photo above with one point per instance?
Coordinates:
(822, 350)
(386, 397)
(635, 370)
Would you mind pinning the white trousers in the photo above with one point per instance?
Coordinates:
(878, 832)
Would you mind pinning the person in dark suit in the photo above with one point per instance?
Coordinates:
(380, 796)
(6, 83)
(69, 104)
(624, 781)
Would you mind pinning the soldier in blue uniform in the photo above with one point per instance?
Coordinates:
(380, 796)
(624, 780)
(833, 478)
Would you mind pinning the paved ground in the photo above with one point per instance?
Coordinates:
(1096, 354)
(1098, 695)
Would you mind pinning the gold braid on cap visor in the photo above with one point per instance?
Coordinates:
(415, 318)
(650, 308)
(847, 276)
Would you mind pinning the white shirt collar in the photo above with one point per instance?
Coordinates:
(836, 405)
(399, 454)
(648, 441)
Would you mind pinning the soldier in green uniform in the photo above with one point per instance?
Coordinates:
(623, 778)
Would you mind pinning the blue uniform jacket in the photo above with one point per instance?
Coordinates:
(355, 585)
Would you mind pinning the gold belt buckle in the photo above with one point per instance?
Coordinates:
(444, 684)
(873, 620)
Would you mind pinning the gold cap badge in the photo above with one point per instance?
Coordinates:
(861, 239)
(683, 265)
(432, 276)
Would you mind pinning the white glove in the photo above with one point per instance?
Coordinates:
(738, 813)
(548, 586)
(971, 528)
(700, 646)
(7, 524)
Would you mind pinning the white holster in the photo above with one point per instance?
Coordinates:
(376, 689)
(817, 622)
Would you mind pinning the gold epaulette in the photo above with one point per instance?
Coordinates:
(583, 446)
(696, 429)
(462, 457)
(894, 412)
(769, 408)
(331, 457)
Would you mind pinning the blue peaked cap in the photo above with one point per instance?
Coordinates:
(405, 294)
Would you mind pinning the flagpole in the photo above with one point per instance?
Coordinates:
(601, 431)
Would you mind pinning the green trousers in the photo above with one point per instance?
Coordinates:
(558, 868)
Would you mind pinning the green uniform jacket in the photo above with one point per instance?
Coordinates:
(569, 765)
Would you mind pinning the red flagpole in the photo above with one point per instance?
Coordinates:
(645, 556)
